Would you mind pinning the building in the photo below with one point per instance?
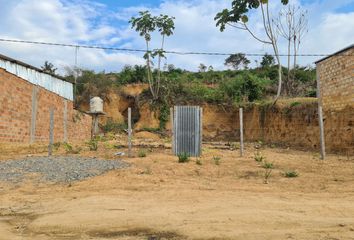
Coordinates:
(335, 79)
(26, 96)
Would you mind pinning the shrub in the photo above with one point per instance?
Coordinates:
(291, 174)
(258, 157)
(141, 153)
(216, 160)
(245, 86)
(70, 149)
(93, 145)
(183, 157)
(268, 165)
(114, 127)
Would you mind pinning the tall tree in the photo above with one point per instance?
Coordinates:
(145, 25)
(291, 25)
(48, 67)
(238, 16)
(202, 68)
(237, 61)
(267, 61)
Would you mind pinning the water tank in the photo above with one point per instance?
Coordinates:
(96, 105)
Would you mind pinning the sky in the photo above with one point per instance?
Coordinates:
(105, 23)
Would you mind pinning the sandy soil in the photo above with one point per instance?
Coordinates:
(159, 198)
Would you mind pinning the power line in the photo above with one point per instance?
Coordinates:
(168, 52)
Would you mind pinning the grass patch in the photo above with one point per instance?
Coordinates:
(141, 153)
(183, 157)
(268, 165)
(258, 157)
(291, 174)
(216, 160)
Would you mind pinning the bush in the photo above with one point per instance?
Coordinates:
(114, 127)
(70, 149)
(268, 165)
(245, 86)
(216, 160)
(258, 157)
(93, 144)
(183, 157)
(141, 153)
(291, 174)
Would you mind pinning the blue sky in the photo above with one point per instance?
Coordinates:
(105, 22)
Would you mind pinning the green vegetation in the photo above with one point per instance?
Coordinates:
(291, 174)
(268, 165)
(216, 160)
(141, 153)
(258, 157)
(183, 157)
(93, 144)
(69, 149)
(114, 127)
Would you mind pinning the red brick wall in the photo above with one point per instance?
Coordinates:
(16, 112)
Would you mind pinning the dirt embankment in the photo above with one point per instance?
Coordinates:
(292, 122)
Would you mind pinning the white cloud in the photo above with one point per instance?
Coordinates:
(93, 23)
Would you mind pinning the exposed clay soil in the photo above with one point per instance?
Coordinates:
(159, 198)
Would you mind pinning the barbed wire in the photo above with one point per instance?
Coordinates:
(165, 51)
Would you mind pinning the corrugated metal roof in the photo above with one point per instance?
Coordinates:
(36, 76)
(342, 50)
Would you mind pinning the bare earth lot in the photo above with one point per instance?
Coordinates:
(159, 198)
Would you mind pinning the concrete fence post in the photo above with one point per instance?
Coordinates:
(322, 138)
(129, 132)
(241, 132)
(51, 131)
(33, 114)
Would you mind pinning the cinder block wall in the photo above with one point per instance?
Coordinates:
(336, 80)
(24, 106)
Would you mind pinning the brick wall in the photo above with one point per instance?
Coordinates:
(17, 98)
(336, 80)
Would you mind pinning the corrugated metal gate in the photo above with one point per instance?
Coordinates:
(187, 130)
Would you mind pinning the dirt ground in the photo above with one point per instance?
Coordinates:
(159, 198)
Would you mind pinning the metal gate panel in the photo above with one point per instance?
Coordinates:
(187, 129)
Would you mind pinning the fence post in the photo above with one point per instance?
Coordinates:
(129, 132)
(51, 131)
(172, 130)
(322, 140)
(201, 130)
(241, 132)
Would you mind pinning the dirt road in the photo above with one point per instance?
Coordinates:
(159, 198)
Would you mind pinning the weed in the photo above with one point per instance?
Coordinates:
(70, 149)
(183, 157)
(258, 157)
(294, 104)
(198, 161)
(141, 153)
(56, 145)
(267, 174)
(291, 174)
(216, 160)
(268, 165)
(93, 145)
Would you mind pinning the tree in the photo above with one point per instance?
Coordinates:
(202, 68)
(48, 68)
(237, 61)
(238, 16)
(145, 25)
(292, 25)
(267, 61)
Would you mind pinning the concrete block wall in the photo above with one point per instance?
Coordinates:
(24, 114)
(336, 80)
